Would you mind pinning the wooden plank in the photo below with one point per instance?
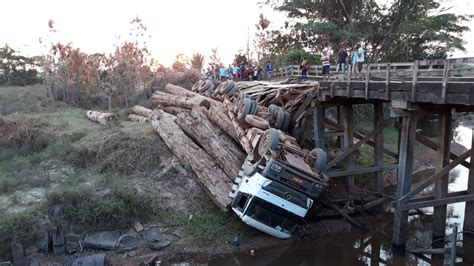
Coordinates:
(414, 81)
(348, 139)
(351, 148)
(454, 244)
(469, 211)
(435, 177)
(318, 126)
(405, 168)
(387, 82)
(444, 86)
(449, 199)
(304, 106)
(348, 80)
(361, 170)
(367, 79)
(441, 185)
(378, 148)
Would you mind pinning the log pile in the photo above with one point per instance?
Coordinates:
(215, 130)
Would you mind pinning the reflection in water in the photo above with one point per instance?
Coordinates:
(371, 247)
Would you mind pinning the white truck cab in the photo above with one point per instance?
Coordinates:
(270, 206)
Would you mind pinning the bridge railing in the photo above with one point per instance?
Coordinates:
(456, 67)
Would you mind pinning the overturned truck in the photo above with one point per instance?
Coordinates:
(270, 182)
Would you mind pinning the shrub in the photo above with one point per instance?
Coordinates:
(295, 57)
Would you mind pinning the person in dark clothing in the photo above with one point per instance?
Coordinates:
(304, 68)
(341, 60)
(259, 73)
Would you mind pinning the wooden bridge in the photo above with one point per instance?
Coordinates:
(435, 87)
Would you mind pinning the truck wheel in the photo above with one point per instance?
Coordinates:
(269, 141)
(272, 108)
(320, 159)
(206, 86)
(280, 114)
(253, 110)
(217, 91)
(233, 91)
(244, 95)
(197, 85)
(286, 122)
(244, 110)
(228, 88)
(257, 121)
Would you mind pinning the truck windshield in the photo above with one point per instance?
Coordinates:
(272, 216)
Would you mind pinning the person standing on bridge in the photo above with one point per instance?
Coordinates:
(304, 68)
(354, 59)
(341, 59)
(269, 69)
(360, 58)
(325, 60)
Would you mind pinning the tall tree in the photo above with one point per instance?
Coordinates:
(197, 61)
(403, 31)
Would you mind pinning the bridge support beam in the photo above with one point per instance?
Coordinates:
(405, 167)
(441, 185)
(378, 147)
(468, 225)
(318, 126)
(348, 125)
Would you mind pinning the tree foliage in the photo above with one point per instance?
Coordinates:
(17, 69)
(295, 57)
(197, 61)
(404, 31)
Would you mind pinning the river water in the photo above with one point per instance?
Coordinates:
(372, 246)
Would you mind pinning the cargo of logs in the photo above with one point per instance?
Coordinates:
(211, 128)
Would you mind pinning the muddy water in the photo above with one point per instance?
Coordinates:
(372, 246)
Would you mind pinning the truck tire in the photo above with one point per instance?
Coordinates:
(269, 141)
(244, 95)
(197, 85)
(320, 159)
(230, 86)
(244, 109)
(286, 122)
(206, 86)
(273, 108)
(233, 90)
(257, 121)
(217, 91)
(254, 108)
(280, 119)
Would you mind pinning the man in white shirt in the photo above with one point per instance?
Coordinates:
(360, 58)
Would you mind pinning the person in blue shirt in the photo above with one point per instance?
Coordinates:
(269, 69)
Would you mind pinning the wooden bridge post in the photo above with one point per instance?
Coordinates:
(378, 147)
(468, 225)
(442, 159)
(318, 126)
(405, 168)
(348, 125)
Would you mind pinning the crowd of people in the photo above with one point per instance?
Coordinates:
(239, 72)
(354, 57)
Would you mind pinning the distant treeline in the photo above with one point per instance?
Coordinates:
(18, 70)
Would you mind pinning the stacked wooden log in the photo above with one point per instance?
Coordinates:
(293, 98)
(213, 130)
(108, 119)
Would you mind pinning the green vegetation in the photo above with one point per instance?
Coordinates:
(399, 31)
(295, 57)
(117, 209)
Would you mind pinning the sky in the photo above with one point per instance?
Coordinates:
(175, 26)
